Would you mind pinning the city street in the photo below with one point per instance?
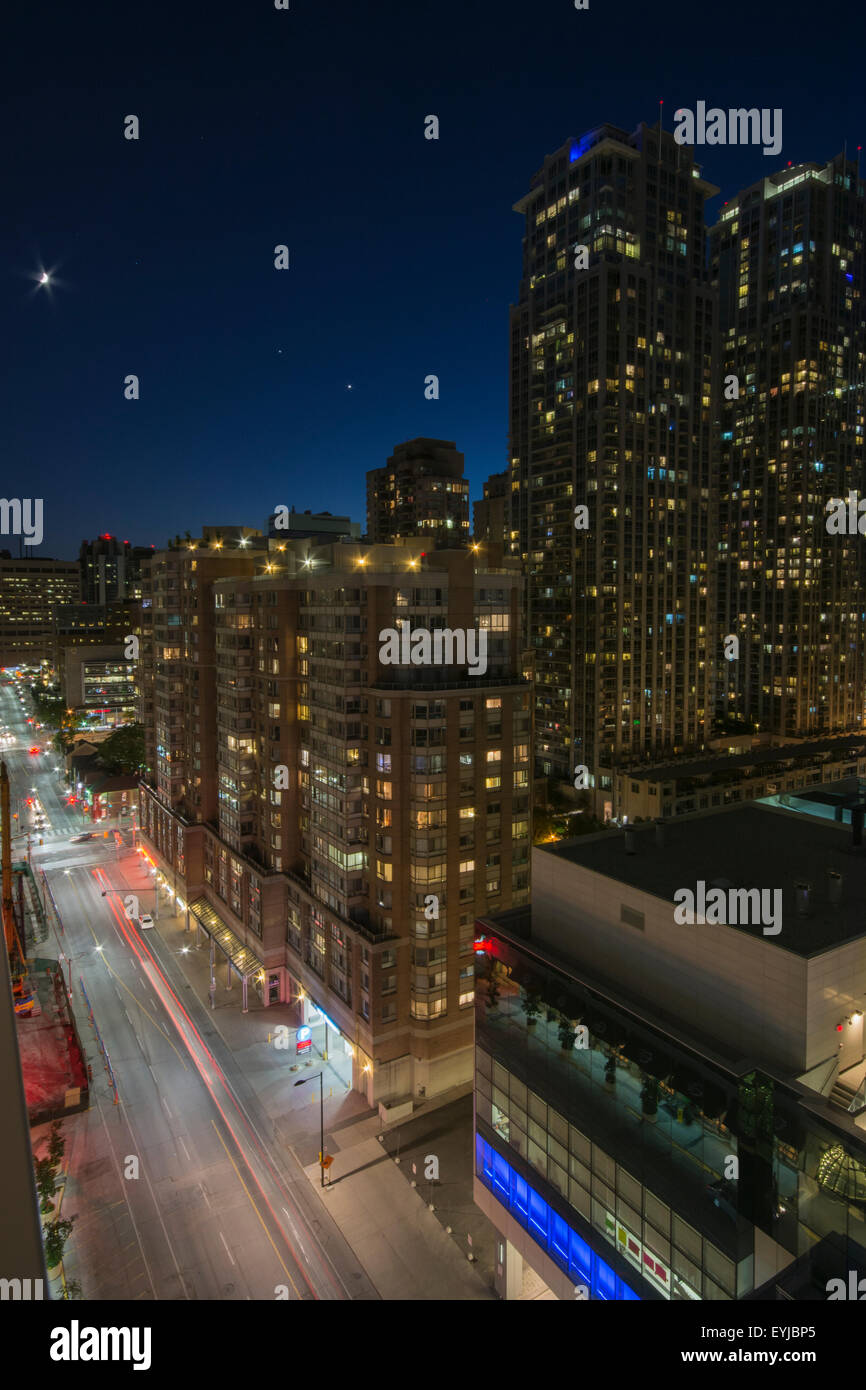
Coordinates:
(210, 1209)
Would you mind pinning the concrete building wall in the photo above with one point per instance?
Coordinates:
(749, 993)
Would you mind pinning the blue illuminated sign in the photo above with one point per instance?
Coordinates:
(551, 1231)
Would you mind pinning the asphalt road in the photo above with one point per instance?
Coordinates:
(181, 1191)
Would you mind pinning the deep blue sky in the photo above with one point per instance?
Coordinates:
(306, 127)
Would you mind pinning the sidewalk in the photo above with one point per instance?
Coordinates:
(400, 1243)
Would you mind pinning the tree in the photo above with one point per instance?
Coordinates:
(123, 751)
(542, 827)
(55, 1235)
(56, 1144)
(46, 1185)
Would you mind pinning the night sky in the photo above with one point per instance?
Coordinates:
(306, 127)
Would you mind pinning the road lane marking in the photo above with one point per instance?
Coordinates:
(147, 1014)
(228, 1252)
(297, 1237)
(183, 1146)
(255, 1209)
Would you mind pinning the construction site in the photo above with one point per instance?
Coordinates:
(53, 1062)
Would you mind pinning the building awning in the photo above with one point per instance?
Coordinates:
(245, 961)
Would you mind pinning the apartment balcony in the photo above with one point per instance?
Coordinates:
(236, 724)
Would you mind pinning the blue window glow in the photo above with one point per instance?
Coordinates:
(539, 1213)
(519, 1197)
(604, 1283)
(559, 1238)
(798, 248)
(728, 434)
(849, 277)
(580, 1258)
(552, 1232)
(501, 1176)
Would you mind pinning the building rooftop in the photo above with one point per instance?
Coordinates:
(745, 846)
(850, 745)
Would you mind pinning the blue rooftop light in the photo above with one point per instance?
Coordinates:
(579, 148)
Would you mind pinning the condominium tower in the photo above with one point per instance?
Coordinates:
(611, 411)
(347, 816)
(421, 491)
(787, 254)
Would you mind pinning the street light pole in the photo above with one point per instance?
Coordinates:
(321, 1079)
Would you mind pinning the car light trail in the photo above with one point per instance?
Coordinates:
(212, 1075)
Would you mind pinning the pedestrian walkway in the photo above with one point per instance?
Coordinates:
(399, 1241)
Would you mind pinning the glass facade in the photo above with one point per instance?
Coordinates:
(552, 1232)
(643, 1145)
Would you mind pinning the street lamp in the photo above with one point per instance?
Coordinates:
(321, 1079)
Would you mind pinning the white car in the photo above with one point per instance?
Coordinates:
(145, 921)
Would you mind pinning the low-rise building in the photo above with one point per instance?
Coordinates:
(676, 1109)
(680, 788)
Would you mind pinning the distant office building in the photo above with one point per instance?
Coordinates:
(490, 521)
(421, 492)
(78, 625)
(675, 1108)
(345, 816)
(98, 684)
(30, 590)
(787, 255)
(110, 569)
(292, 526)
(612, 448)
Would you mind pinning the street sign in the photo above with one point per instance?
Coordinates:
(303, 1040)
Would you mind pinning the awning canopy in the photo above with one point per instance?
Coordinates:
(244, 961)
